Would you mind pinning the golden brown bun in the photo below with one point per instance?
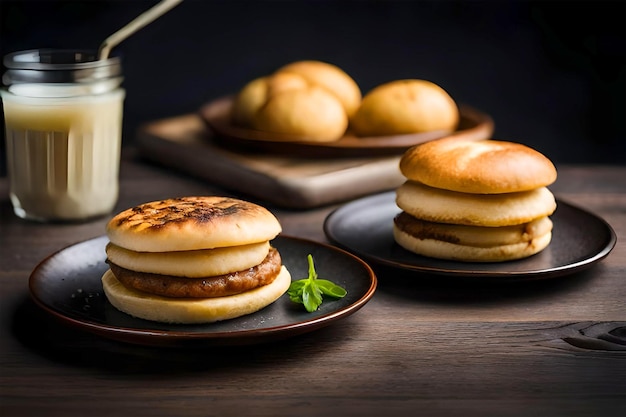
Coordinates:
(183, 310)
(452, 251)
(309, 100)
(191, 223)
(310, 113)
(253, 96)
(491, 210)
(403, 107)
(288, 104)
(331, 78)
(192, 264)
(482, 167)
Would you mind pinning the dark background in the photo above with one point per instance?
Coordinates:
(551, 74)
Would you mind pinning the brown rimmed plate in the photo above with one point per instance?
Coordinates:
(473, 125)
(365, 227)
(68, 286)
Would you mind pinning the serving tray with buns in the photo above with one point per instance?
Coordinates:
(473, 124)
(306, 135)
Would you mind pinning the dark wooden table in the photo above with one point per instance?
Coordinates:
(421, 346)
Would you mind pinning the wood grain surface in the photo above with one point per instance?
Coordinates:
(183, 143)
(422, 346)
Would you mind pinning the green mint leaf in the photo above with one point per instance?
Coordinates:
(295, 290)
(310, 291)
(295, 297)
(312, 273)
(311, 297)
(330, 288)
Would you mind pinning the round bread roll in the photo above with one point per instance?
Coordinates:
(191, 223)
(491, 210)
(189, 311)
(482, 167)
(191, 264)
(289, 104)
(311, 113)
(452, 251)
(403, 107)
(331, 78)
(253, 96)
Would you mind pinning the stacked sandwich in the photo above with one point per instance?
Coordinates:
(475, 201)
(193, 260)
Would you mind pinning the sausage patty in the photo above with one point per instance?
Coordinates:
(205, 287)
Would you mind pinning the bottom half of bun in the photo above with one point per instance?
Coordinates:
(192, 310)
(472, 243)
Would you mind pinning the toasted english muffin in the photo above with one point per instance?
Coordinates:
(479, 167)
(191, 223)
(189, 311)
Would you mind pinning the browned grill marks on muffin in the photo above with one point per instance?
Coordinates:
(178, 210)
(206, 287)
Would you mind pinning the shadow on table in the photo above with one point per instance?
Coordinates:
(475, 290)
(47, 337)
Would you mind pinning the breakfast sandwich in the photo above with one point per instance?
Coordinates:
(475, 201)
(193, 260)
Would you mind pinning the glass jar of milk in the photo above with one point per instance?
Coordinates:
(63, 118)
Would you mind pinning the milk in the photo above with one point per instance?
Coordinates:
(63, 154)
(63, 119)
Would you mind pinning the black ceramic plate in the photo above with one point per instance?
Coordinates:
(67, 285)
(365, 228)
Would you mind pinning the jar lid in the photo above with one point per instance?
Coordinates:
(58, 66)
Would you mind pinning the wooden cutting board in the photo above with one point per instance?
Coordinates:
(184, 143)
